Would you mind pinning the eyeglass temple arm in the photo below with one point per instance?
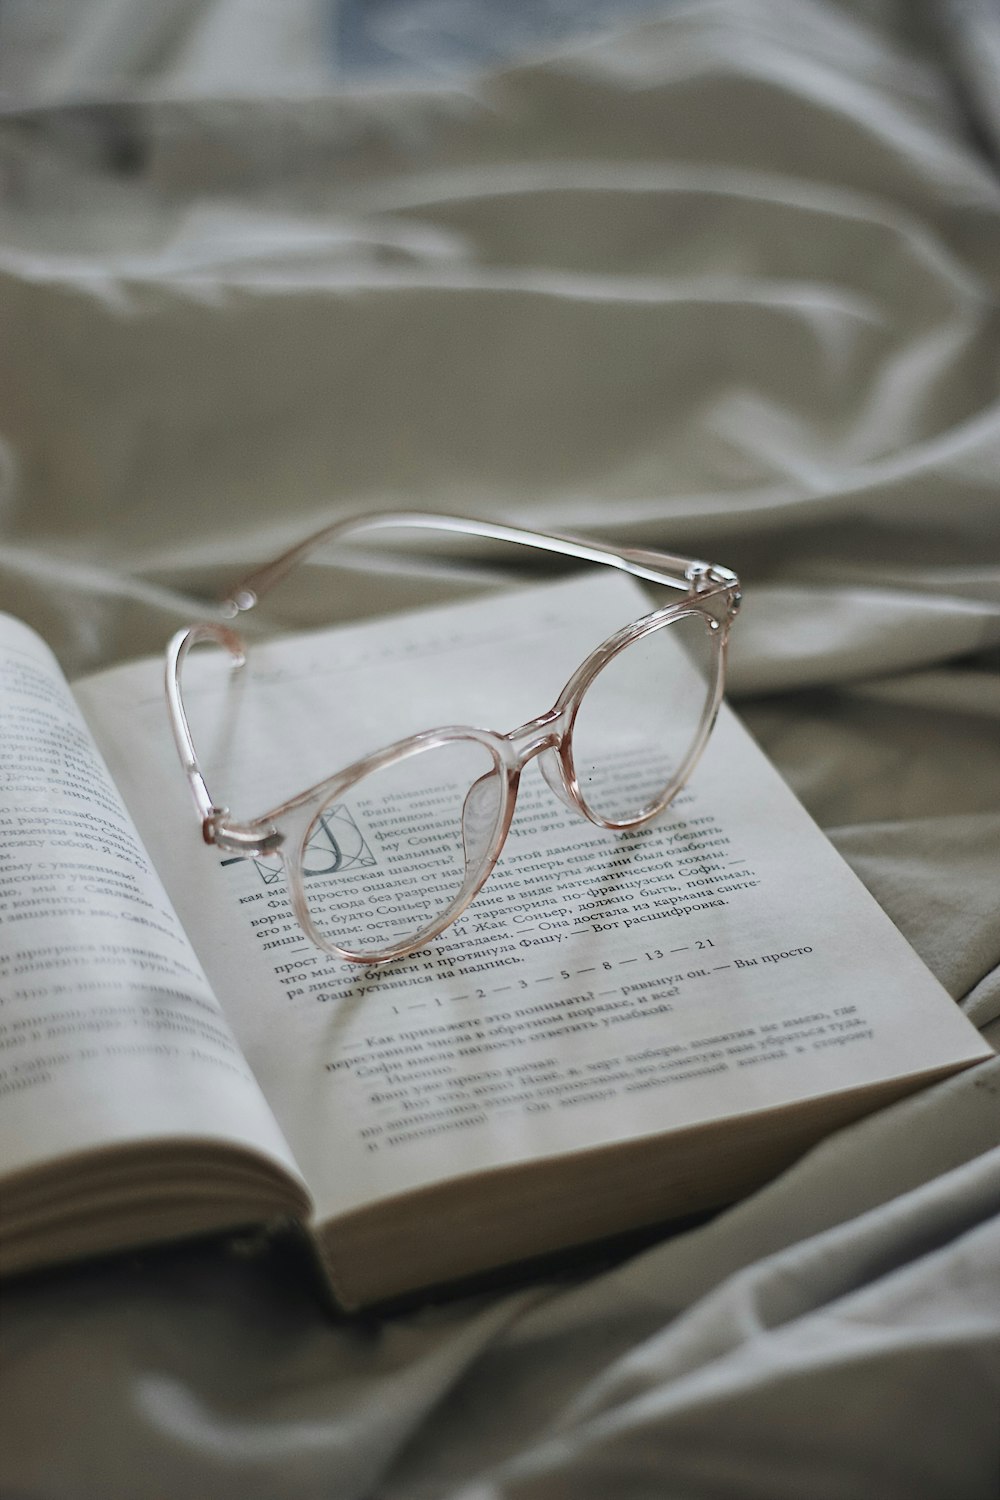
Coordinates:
(656, 567)
(208, 811)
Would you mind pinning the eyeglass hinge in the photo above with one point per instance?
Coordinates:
(703, 575)
(237, 838)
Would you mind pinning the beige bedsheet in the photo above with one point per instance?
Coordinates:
(725, 281)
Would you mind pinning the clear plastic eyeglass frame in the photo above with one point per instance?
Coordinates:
(706, 589)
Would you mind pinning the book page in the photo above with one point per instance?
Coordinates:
(109, 1031)
(718, 961)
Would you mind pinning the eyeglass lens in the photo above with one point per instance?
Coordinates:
(395, 852)
(641, 716)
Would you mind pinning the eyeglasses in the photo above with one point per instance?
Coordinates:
(617, 746)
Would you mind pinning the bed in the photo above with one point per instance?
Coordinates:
(719, 276)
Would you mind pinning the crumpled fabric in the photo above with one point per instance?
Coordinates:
(723, 281)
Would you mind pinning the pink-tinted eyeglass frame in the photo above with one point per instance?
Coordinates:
(708, 589)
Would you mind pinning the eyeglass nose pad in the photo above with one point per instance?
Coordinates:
(552, 769)
(480, 812)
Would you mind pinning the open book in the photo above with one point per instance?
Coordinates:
(622, 1028)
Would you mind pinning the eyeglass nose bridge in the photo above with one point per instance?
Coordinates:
(536, 736)
(543, 738)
